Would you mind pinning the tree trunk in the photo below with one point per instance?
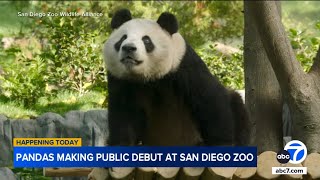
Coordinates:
(299, 89)
(263, 94)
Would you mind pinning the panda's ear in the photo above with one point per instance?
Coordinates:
(120, 17)
(168, 22)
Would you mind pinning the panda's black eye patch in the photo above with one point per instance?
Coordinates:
(148, 43)
(118, 44)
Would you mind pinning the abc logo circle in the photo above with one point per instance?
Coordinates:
(283, 157)
(297, 151)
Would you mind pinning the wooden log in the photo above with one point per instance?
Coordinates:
(167, 173)
(99, 173)
(266, 161)
(121, 173)
(244, 173)
(64, 172)
(146, 173)
(312, 163)
(190, 173)
(218, 173)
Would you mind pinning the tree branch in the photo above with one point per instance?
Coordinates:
(276, 43)
(316, 64)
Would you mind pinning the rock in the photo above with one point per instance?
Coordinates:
(23, 128)
(49, 125)
(225, 49)
(91, 126)
(6, 141)
(7, 174)
(7, 42)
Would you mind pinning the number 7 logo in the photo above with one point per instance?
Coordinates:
(297, 151)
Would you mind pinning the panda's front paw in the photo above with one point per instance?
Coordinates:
(99, 174)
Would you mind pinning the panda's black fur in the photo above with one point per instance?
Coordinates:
(188, 106)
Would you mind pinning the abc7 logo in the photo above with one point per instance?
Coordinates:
(294, 152)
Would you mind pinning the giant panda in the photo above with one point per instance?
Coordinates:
(160, 91)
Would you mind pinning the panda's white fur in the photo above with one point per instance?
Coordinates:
(166, 57)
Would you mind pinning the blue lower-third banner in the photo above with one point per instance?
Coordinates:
(135, 156)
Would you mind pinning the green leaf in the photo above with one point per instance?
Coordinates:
(295, 44)
(318, 25)
(293, 32)
(62, 21)
(314, 41)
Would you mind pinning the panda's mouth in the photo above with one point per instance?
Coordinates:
(129, 61)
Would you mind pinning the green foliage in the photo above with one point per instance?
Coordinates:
(29, 174)
(66, 101)
(305, 46)
(25, 80)
(228, 69)
(200, 22)
(11, 24)
(73, 49)
(301, 15)
(61, 103)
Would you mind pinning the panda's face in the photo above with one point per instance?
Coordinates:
(141, 49)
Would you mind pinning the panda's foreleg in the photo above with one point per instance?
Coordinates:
(125, 119)
(241, 118)
(215, 118)
(123, 131)
(210, 105)
(126, 123)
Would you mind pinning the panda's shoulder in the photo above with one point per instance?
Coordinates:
(192, 62)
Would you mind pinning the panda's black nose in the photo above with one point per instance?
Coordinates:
(129, 48)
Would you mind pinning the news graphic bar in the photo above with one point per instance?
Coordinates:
(47, 142)
(135, 156)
